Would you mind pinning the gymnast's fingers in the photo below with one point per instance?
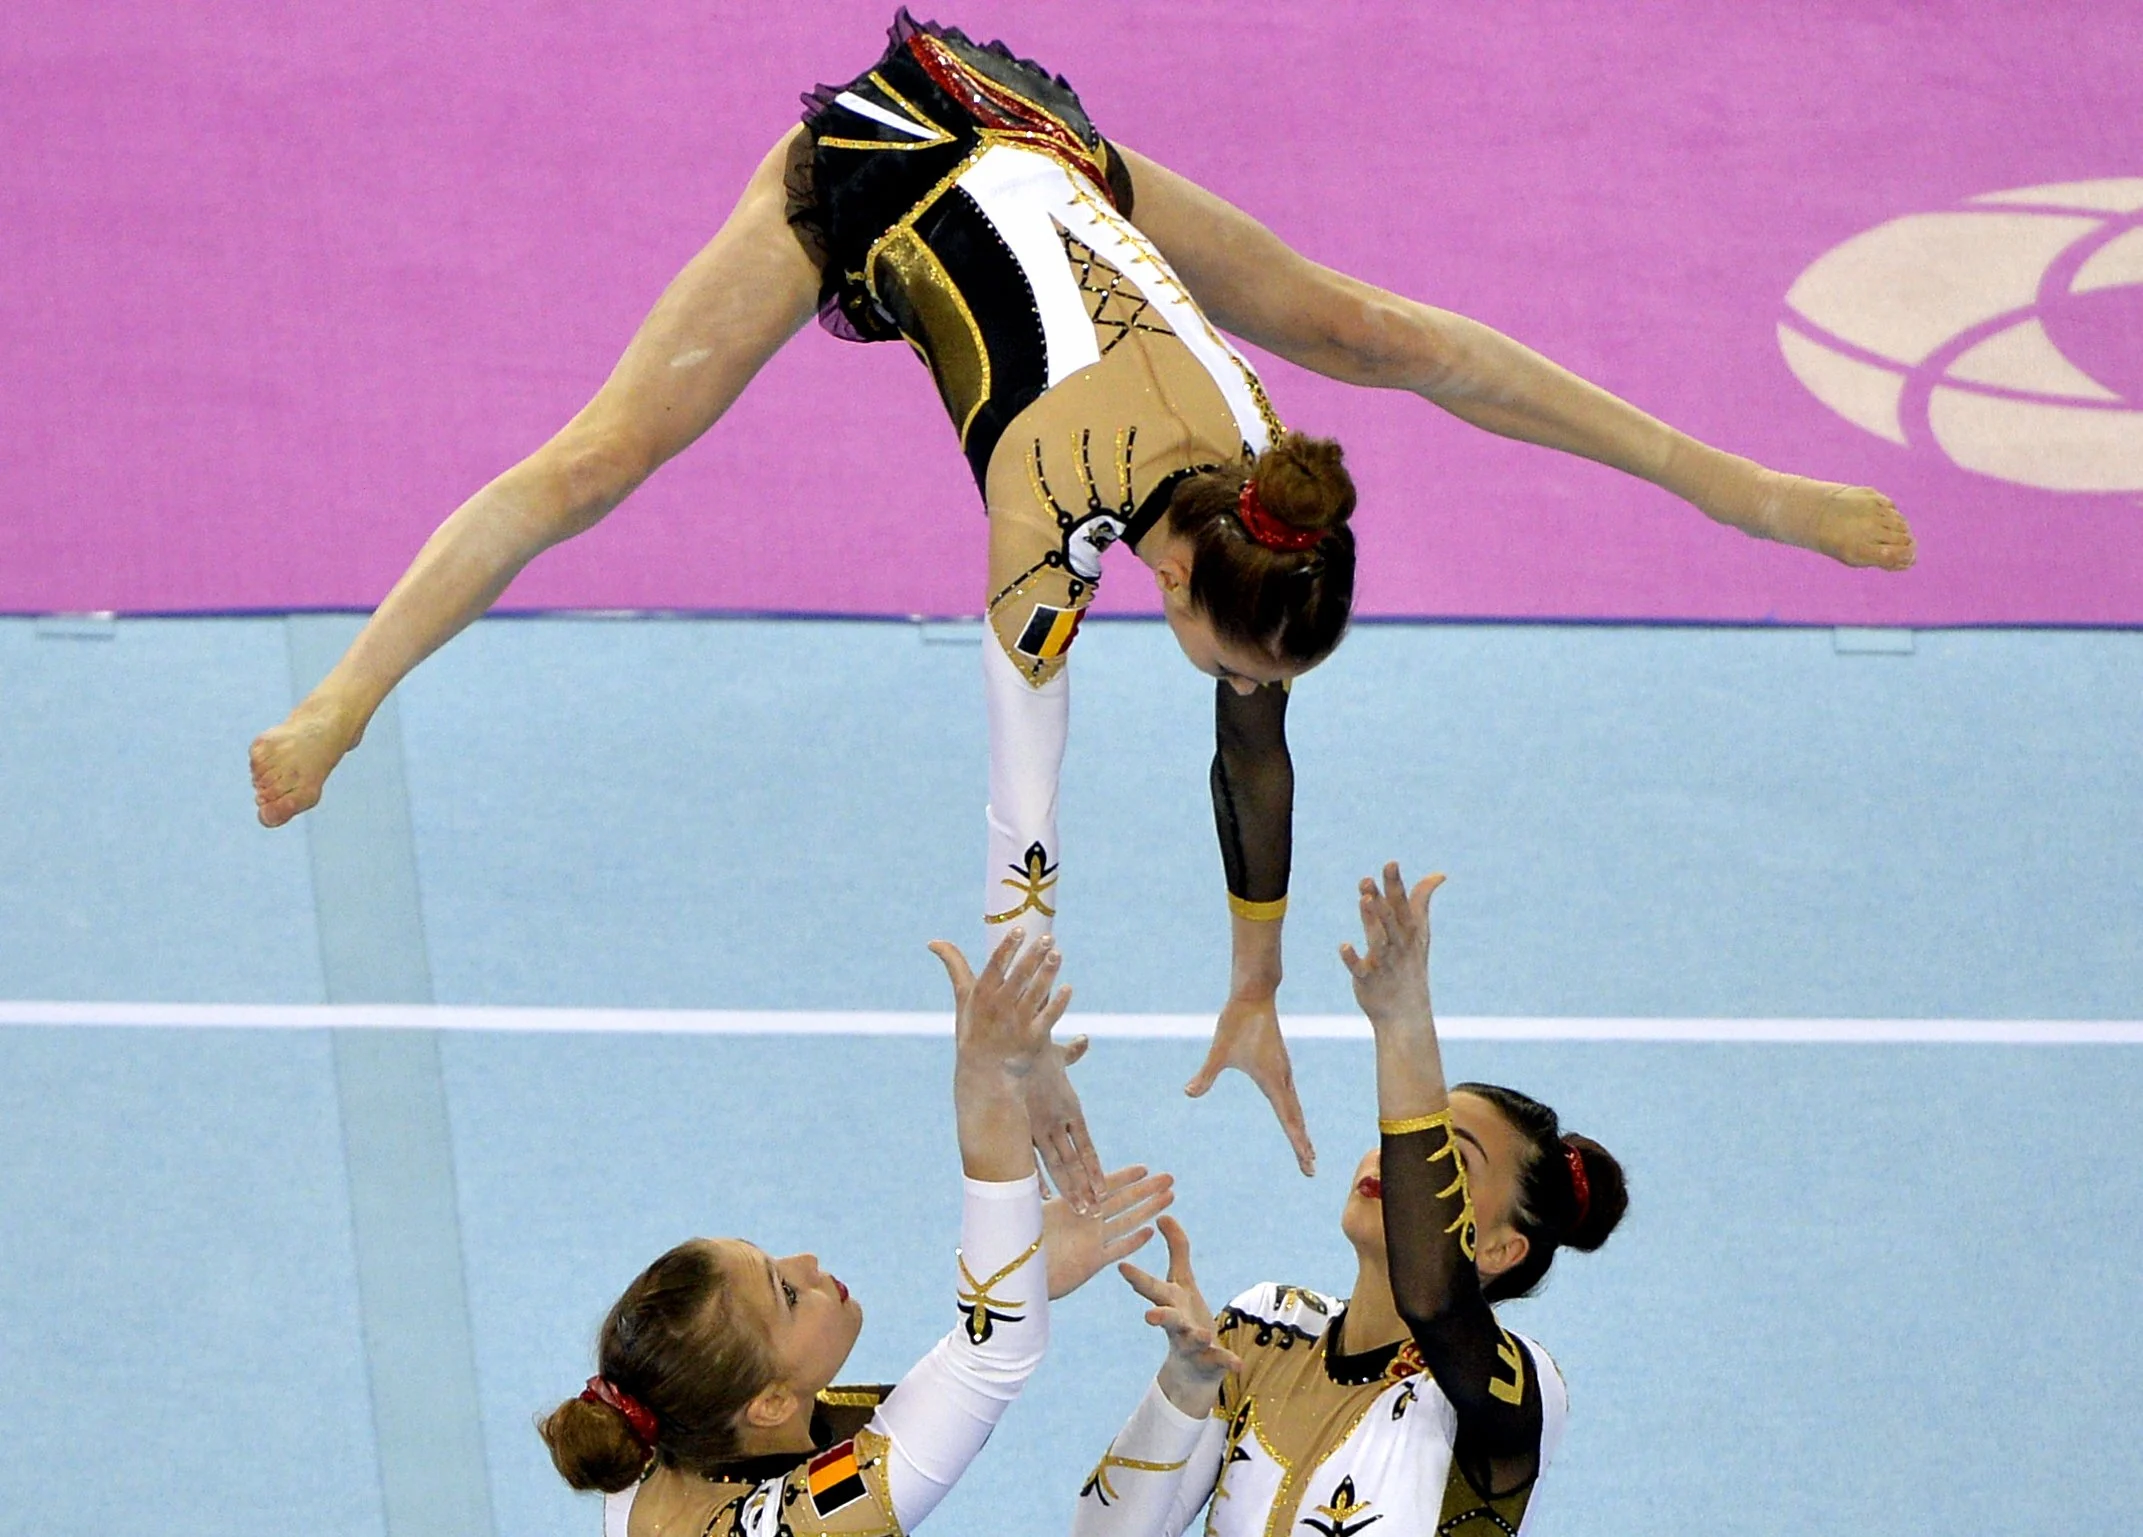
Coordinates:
(1053, 1010)
(1151, 1287)
(1129, 1243)
(956, 969)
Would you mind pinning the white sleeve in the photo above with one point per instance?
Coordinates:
(1028, 727)
(1157, 1474)
(938, 1417)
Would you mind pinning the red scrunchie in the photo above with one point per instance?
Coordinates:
(602, 1391)
(1580, 1186)
(1268, 530)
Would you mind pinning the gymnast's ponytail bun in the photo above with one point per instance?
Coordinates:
(593, 1446)
(679, 1362)
(1304, 483)
(1606, 1197)
(1272, 557)
(1570, 1194)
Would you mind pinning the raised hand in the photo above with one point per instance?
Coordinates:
(1391, 982)
(1197, 1362)
(1247, 1038)
(1078, 1245)
(1001, 1026)
(291, 761)
(1057, 1122)
(1003, 1017)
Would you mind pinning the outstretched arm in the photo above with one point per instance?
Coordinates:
(1429, 1229)
(1253, 782)
(1162, 1466)
(735, 303)
(1253, 284)
(942, 1412)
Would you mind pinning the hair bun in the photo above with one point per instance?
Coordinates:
(593, 1446)
(1303, 482)
(1607, 1197)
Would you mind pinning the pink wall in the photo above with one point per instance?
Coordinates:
(283, 284)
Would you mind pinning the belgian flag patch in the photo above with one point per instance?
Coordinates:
(835, 1479)
(1049, 632)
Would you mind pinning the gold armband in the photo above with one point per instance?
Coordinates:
(1257, 912)
(1418, 1123)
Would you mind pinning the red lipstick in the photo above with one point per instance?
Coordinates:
(837, 1286)
(1371, 1188)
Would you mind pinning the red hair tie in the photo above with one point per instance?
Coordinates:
(601, 1391)
(1268, 530)
(1580, 1186)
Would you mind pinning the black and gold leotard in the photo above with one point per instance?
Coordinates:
(1444, 1434)
(960, 199)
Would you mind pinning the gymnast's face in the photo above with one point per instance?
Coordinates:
(1493, 1153)
(1242, 669)
(805, 1317)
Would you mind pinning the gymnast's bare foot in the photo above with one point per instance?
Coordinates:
(1855, 525)
(292, 761)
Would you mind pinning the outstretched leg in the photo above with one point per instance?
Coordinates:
(1253, 284)
(1856, 525)
(747, 292)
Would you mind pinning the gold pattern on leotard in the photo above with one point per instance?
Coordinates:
(984, 1310)
(972, 90)
(1114, 302)
(1231, 1446)
(1097, 1482)
(1463, 1223)
(1342, 1512)
(907, 221)
(1413, 1124)
(1467, 1512)
(958, 357)
(1146, 255)
(938, 135)
(1405, 1363)
(1031, 880)
(1512, 1355)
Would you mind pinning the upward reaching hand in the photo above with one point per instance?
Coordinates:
(1391, 983)
(1001, 1031)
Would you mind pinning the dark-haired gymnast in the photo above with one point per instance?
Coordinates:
(1405, 1405)
(959, 198)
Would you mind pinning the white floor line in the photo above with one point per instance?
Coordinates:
(258, 1016)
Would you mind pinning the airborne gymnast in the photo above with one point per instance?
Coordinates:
(1070, 297)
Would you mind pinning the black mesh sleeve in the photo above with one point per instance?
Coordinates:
(1429, 1245)
(1253, 793)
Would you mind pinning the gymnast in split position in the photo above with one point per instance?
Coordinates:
(958, 198)
(713, 1414)
(1406, 1405)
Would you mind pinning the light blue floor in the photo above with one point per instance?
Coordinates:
(1858, 1286)
(1636, 821)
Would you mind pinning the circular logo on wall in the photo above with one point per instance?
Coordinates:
(2007, 331)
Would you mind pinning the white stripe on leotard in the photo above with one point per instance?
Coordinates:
(1017, 191)
(885, 115)
(1025, 195)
